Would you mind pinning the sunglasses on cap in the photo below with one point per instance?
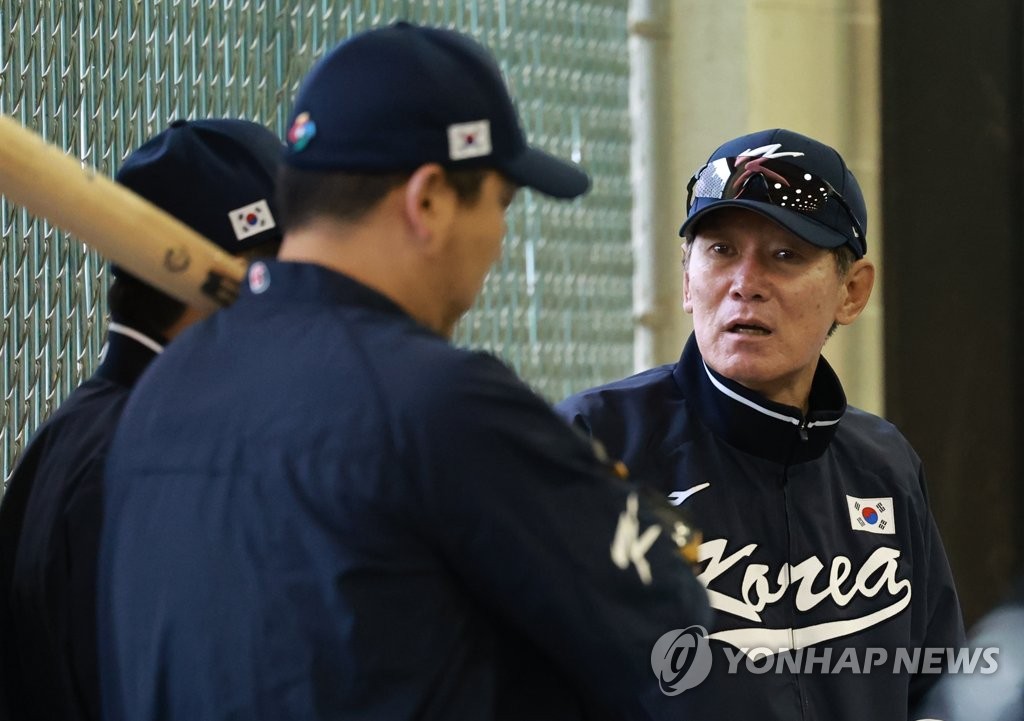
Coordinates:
(784, 185)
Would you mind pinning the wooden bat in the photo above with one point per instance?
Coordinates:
(122, 226)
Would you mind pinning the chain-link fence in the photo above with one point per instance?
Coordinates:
(98, 77)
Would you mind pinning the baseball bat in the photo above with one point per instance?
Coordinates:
(123, 227)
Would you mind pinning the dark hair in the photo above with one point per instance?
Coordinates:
(307, 194)
(139, 305)
(845, 259)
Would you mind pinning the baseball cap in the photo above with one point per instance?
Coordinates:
(800, 183)
(215, 175)
(397, 97)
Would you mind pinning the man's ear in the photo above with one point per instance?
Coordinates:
(430, 204)
(859, 281)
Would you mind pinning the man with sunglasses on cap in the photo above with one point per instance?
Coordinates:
(346, 516)
(205, 173)
(820, 555)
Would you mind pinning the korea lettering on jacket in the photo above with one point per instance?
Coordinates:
(819, 556)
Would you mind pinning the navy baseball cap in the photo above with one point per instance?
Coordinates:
(401, 96)
(800, 183)
(215, 175)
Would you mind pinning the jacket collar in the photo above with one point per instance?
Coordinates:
(126, 354)
(309, 282)
(756, 425)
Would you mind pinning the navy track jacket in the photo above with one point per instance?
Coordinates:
(818, 542)
(49, 537)
(318, 509)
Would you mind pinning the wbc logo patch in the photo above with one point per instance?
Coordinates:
(469, 140)
(251, 219)
(259, 277)
(871, 515)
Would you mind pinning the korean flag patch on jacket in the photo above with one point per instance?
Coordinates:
(872, 515)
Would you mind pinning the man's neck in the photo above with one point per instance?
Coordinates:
(374, 256)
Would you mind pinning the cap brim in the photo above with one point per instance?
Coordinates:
(803, 226)
(536, 169)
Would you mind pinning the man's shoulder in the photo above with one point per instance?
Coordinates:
(875, 441)
(871, 427)
(95, 396)
(80, 427)
(442, 375)
(633, 390)
(62, 463)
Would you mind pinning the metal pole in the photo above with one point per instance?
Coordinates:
(653, 278)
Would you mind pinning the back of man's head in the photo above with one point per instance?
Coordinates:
(218, 177)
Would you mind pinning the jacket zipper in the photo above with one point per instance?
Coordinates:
(802, 700)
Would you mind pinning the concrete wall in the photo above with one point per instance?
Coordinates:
(736, 66)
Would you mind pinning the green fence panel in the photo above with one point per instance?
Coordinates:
(98, 77)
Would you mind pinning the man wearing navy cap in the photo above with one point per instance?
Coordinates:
(346, 516)
(821, 557)
(204, 172)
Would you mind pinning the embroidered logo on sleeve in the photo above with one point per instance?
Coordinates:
(630, 546)
(872, 515)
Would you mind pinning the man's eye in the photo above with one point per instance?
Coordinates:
(719, 248)
(785, 254)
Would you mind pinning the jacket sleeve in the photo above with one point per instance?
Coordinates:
(551, 539)
(12, 515)
(81, 532)
(945, 626)
(572, 412)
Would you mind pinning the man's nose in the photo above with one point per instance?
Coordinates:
(749, 279)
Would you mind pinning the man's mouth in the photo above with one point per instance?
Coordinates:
(749, 329)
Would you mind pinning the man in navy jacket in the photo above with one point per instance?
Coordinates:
(204, 172)
(319, 508)
(821, 558)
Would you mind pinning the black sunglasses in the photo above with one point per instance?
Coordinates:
(783, 184)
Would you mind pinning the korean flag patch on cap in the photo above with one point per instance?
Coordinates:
(251, 219)
(469, 140)
(871, 515)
